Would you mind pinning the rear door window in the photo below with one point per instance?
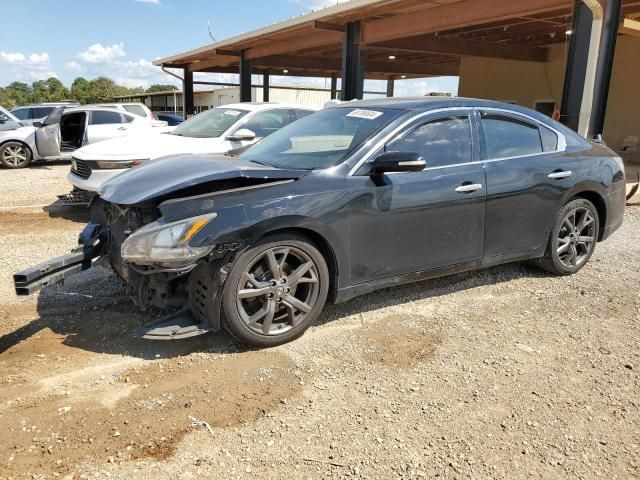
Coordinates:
(507, 136)
(42, 112)
(265, 123)
(99, 117)
(298, 114)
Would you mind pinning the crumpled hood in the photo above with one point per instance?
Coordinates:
(168, 175)
(148, 145)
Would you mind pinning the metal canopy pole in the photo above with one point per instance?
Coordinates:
(245, 78)
(391, 84)
(265, 87)
(187, 95)
(334, 87)
(352, 63)
(604, 70)
(580, 73)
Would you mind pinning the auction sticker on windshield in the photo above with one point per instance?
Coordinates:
(365, 114)
(233, 113)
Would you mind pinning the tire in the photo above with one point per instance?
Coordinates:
(15, 155)
(569, 249)
(275, 308)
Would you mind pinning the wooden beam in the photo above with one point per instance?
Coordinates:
(334, 27)
(473, 48)
(630, 27)
(311, 40)
(218, 61)
(454, 15)
(229, 53)
(328, 64)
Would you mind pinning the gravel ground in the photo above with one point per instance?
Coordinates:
(504, 374)
(36, 186)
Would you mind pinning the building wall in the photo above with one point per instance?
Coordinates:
(225, 96)
(527, 82)
(206, 99)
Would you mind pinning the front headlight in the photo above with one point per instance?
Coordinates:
(166, 244)
(118, 164)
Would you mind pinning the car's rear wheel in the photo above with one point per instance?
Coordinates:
(275, 291)
(573, 238)
(15, 155)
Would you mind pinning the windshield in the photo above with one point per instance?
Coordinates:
(6, 116)
(321, 140)
(210, 124)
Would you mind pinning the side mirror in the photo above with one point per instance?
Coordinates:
(37, 124)
(398, 162)
(242, 134)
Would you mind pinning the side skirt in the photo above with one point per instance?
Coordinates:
(345, 294)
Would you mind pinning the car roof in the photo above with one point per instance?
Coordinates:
(258, 106)
(434, 103)
(47, 104)
(117, 104)
(93, 108)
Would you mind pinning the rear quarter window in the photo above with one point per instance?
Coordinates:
(549, 139)
(136, 109)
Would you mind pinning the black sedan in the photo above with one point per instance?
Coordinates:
(351, 199)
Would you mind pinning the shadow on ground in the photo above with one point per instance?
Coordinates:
(103, 322)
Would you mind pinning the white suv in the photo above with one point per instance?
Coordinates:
(139, 109)
(218, 130)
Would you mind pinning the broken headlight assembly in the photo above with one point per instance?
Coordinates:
(167, 244)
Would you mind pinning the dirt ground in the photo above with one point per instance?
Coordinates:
(503, 374)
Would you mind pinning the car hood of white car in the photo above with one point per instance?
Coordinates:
(146, 146)
(20, 133)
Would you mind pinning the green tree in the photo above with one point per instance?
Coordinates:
(5, 99)
(79, 89)
(161, 88)
(19, 92)
(101, 89)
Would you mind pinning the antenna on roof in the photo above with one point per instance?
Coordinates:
(210, 32)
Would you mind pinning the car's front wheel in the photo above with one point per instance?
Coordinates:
(573, 238)
(275, 291)
(15, 155)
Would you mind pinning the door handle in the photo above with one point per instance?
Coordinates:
(469, 188)
(122, 128)
(560, 175)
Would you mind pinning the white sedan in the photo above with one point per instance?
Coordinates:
(63, 132)
(219, 130)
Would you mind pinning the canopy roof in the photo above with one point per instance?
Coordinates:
(412, 38)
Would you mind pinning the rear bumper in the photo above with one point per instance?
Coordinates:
(615, 204)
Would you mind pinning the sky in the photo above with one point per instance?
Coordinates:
(121, 38)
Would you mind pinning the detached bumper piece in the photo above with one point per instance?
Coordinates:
(77, 197)
(179, 326)
(54, 272)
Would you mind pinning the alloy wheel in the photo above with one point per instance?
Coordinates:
(576, 238)
(277, 290)
(14, 155)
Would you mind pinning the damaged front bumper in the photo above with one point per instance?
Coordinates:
(196, 289)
